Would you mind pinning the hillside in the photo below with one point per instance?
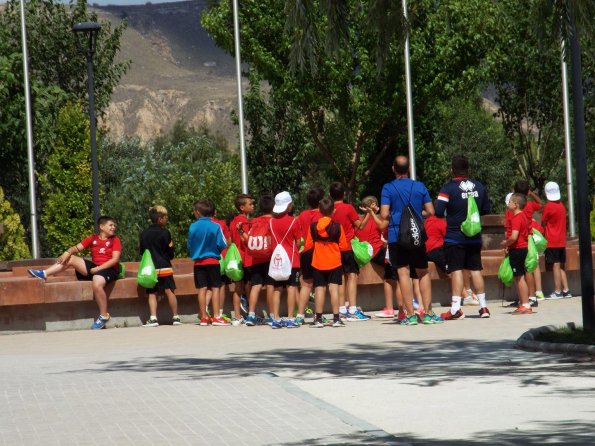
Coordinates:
(177, 73)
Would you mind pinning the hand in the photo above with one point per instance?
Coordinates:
(64, 258)
(239, 226)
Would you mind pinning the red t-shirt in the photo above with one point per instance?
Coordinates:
(346, 216)
(102, 249)
(283, 225)
(306, 218)
(435, 230)
(530, 208)
(535, 225)
(507, 221)
(237, 239)
(370, 233)
(520, 223)
(553, 219)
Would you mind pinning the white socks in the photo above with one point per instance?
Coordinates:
(456, 304)
(482, 300)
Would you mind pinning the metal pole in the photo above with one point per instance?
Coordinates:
(582, 184)
(31, 159)
(412, 171)
(567, 145)
(94, 165)
(236, 34)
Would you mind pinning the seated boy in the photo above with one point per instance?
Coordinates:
(102, 269)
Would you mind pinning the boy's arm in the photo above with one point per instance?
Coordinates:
(112, 263)
(511, 240)
(384, 217)
(535, 198)
(428, 209)
(70, 252)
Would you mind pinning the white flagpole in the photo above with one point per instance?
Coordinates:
(236, 28)
(567, 145)
(412, 171)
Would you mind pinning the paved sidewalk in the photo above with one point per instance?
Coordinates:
(461, 383)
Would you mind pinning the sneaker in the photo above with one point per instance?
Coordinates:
(522, 310)
(299, 321)
(269, 321)
(151, 323)
(220, 322)
(427, 320)
(386, 313)
(238, 322)
(176, 320)
(484, 313)
(100, 322)
(566, 294)
(279, 323)
(251, 321)
(225, 317)
(471, 299)
(357, 315)
(205, 321)
(539, 295)
(338, 323)
(291, 323)
(327, 322)
(533, 302)
(317, 324)
(409, 320)
(555, 295)
(311, 298)
(244, 303)
(39, 273)
(401, 315)
(420, 314)
(435, 318)
(448, 316)
(514, 304)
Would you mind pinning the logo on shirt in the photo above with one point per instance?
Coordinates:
(467, 187)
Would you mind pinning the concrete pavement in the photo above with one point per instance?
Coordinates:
(374, 382)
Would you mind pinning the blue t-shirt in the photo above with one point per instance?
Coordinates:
(452, 202)
(398, 194)
(205, 239)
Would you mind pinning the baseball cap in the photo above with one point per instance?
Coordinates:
(552, 191)
(282, 200)
(507, 199)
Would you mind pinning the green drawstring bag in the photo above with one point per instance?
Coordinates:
(122, 274)
(233, 263)
(472, 224)
(532, 259)
(505, 272)
(362, 251)
(540, 241)
(147, 274)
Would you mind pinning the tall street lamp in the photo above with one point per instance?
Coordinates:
(90, 30)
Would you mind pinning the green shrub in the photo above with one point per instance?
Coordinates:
(12, 239)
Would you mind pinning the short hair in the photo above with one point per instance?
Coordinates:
(326, 206)
(104, 219)
(314, 196)
(521, 187)
(519, 199)
(156, 212)
(337, 190)
(204, 207)
(266, 204)
(400, 167)
(460, 165)
(367, 201)
(241, 200)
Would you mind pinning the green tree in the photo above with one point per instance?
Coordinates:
(12, 238)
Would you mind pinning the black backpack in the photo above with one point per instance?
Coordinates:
(412, 234)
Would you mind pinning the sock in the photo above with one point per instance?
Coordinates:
(300, 315)
(318, 316)
(455, 305)
(251, 314)
(469, 292)
(336, 317)
(527, 305)
(343, 309)
(352, 309)
(482, 300)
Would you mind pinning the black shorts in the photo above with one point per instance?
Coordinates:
(225, 280)
(413, 258)
(163, 283)
(555, 255)
(306, 264)
(389, 272)
(349, 263)
(294, 279)
(328, 277)
(259, 274)
(438, 257)
(380, 257)
(517, 258)
(207, 276)
(459, 257)
(109, 274)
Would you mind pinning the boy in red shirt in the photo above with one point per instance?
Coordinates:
(346, 215)
(516, 247)
(103, 268)
(305, 219)
(244, 203)
(327, 240)
(553, 219)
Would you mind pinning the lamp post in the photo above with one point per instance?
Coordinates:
(90, 30)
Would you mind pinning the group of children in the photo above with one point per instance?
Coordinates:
(317, 244)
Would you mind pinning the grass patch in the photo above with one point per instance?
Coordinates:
(568, 335)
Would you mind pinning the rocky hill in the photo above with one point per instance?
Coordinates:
(177, 73)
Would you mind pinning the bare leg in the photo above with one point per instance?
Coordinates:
(530, 279)
(557, 277)
(100, 294)
(173, 301)
(456, 282)
(537, 276)
(416, 290)
(291, 298)
(334, 292)
(215, 301)
(478, 282)
(522, 289)
(202, 302)
(425, 289)
(222, 295)
(351, 289)
(399, 296)
(564, 279)
(152, 299)
(304, 295)
(253, 300)
(238, 289)
(276, 302)
(319, 293)
(343, 297)
(388, 294)
(406, 288)
(466, 282)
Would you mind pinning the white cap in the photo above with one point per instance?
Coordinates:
(507, 199)
(282, 200)
(552, 191)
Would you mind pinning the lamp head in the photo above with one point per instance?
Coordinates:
(90, 29)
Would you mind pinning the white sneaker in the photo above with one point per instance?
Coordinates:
(151, 323)
(471, 300)
(238, 322)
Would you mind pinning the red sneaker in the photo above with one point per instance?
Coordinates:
(401, 315)
(219, 321)
(448, 316)
(205, 321)
(484, 312)
(522, 310)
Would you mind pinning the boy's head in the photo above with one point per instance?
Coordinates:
(314, 196)
(266, 204)
(370, 202)
(203, 208)
(337, 191)
(158, 215)
(552, 191)
(517, 202)
(107, 224)
(401, 165)
(283, 203)
(326, 207)
(460, 166)
(244, 203)
(521, 187)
